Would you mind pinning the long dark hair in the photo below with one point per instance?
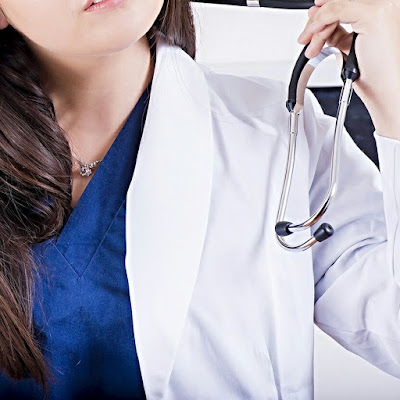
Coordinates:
(36, 164)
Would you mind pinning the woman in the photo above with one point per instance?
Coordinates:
(202, 302)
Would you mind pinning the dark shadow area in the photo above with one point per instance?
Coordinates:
(358, 122)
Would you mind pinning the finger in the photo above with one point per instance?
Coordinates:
(312, 10)
(341, 39)
(305, 35)
(342, 11)
(318, 40)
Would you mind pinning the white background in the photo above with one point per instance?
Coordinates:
(260, 41)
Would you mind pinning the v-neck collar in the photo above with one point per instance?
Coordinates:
(104, 194)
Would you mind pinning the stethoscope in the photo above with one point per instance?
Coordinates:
(302, 71)
(295, 103)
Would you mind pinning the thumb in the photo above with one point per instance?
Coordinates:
(341, 39)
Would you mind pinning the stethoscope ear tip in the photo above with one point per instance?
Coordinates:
(323, 232)
(281, 228)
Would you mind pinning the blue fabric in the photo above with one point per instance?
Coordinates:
(82, 310)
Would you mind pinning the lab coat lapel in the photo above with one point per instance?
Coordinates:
(167, 210)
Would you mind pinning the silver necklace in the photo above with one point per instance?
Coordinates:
(86, 169)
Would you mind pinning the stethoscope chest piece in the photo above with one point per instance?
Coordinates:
(295, 102)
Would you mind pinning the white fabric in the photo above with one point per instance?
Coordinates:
(220, 310)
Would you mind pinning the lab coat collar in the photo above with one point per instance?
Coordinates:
(167, 211)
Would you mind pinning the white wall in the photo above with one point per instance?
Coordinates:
(239, 40)
(259, 41)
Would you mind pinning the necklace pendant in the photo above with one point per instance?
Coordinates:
(85, 170)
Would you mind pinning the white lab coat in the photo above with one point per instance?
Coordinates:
(220, 310)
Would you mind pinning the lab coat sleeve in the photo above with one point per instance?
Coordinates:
(357, 270)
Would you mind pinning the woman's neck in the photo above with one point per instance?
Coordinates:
(93, 95)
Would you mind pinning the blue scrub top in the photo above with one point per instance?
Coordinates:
(82, 309)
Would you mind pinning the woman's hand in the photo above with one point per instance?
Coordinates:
(377, 48)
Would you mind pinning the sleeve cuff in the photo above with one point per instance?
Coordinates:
(388, 155)
(389, 165)
(377, 137)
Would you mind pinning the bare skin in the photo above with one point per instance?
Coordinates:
(95, 67)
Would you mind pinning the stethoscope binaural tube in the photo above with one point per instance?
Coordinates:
(295, 103)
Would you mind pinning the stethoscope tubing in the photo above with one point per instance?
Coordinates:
(350, 73)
